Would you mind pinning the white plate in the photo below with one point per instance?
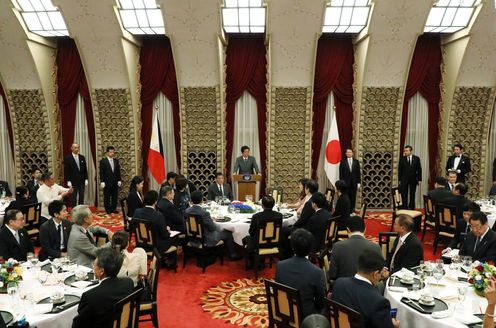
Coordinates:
(427, 304)
(407, 282)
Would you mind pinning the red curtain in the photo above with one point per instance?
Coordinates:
(425, 77)
(333, 72)
(157, 75)
(246, 71)
(71, 81)
(9, 122)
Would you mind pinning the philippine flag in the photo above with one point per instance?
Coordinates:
(156, 163)
(333, 152)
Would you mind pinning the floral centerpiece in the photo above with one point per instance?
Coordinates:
(480, 275)
(243, 208)
(10, 271)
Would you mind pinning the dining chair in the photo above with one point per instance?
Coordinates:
(268, 242)
(397, 202)
(284, 305)
(342, 316)
(126, 310)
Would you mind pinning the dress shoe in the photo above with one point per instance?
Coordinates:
(235, 258)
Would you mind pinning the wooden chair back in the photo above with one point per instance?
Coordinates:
(429, 211)
(194, 229)
(284, 305)
(32, 216)
(342, 316)
(363, 210)
(325, 265)
(396, 198)
(153, 273)
(269, 232)
(446, 218)
(329, 195)
(101, 239)
(386, 243)
(125, 209)
(126, 310)
(331, 231)
(145, 235)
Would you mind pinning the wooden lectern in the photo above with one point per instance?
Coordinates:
(247, 185)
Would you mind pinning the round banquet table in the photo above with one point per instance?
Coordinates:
(490, 210)
(35, 313)
(411, 318)
(239, 224)
(4, 203)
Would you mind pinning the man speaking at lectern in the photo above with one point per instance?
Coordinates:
(246, 164)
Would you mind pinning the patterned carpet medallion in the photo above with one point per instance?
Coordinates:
(240, 302)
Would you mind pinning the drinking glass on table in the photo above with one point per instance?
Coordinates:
(439, 264)
(438, 275)
(467, 263)
(462, 290)
(29, 257)
(12, 290)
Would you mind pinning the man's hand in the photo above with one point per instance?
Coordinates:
(458, 171)
(396, 323)
(359, 185)
(110, 234)
(102, 185)
(446, 250)
(119, 183)
(86, 182)
(69, 184)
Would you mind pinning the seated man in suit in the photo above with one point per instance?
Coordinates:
(246, 164)
(96, 306)
(170, 181)
(54, 233)
(462, 226)
(408, 250)
(343, 205)
(299, 273)
(317, 223)
(268, 203)
(212, 232)
(451, 180)
(219, 188)
(480, 242)
(4, 188)
(163, 240)
(173, 218)
(439, 193)
(81, 246)
(345, 253)
(22, 199)
(14, 240)
(359, 293)
(457, 199)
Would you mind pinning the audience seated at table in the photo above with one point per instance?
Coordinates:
(308, 193)
(301, 198)
(182, 195)
(173, 217)
(170, 181)
(408, 250)
(48, 192)
(457, 199)
(212, 232)
(219, 188)
(250, 241)
(451, 180)
(134, 263)
(299, 273)
(462, 226)
(96, 306)
(317, 223)
(480, 242)
(135, 195)
(345, 253)
(22, 199)
(14, 240)
(81, 246)
(54, 233)
(359, 293)
(343, 205)
(4, 188)
(440, 192)
(163, 240)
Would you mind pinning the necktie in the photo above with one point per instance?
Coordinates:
(59, 236)
(477, 242)
(409, 161)
(221, 191)
(398, 246)
(90, 237)
(76, 158)
(16, 235)
(350, 163)
(111, 164)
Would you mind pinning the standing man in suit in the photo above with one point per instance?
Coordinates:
(173, 217)
(480, 242)
(96, 306)
(246, 164)
(349, 172)
(110, 179)
(299, 273)
(359, 293)
(34, 184)
(14, 240)
(54, 233)
(317, 222)
(410, 175)
(459, 163)
(219, 188)
(408, 250)
(439, 193)
(76, 175)
(345, 253)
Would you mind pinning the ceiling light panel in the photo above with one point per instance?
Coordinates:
(243, 16)
(448, 16)
(41, 17)
(140, 17)
(346, 16)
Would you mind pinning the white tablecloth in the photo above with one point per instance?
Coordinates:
(240, 223)
(4, 203)
(490, 211)
(57, 320)
(411, 318)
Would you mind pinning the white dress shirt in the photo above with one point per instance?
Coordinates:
(46, 195)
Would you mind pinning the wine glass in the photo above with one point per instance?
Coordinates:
(462, 290)
(438, 275)
(29, 257)
(12, 290)
(467, 263)
(439, 264)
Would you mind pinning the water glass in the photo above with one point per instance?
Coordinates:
(438, 275)
(462, 290)
(12, 290)
(467, 263)
(416, 286)
(439, 264)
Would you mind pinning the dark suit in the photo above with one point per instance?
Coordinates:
(345, 253)
(351, 177)
(248, 166)
(306, 213)
(297, 272)
(494, 170)
(33, 187)
(317, 226)
(486, 251)
(463, 166)
(4, 186)
(409, 254)
(462, 229)
(162, 235)
(342, 210)
(96, 306)
(457, 201)
(77, 176)
(110, 178)
(212, 234)
(18, 204)
(50, 239)
(10, 248)
(365, 299)
(438, 195)
(133, 203)
(214, 191)
(172, 215)
(410, 174)
(254, 226)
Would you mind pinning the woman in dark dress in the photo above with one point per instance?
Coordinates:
(182, 196)
(22, 199)
(135, 196)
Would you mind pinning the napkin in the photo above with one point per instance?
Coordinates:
(414, 295)
(451, 253)
(467, 318)
(448, 294)
(433, 281)
(397, 289)
(81, 284)
(43, 263)
(42, 308)
(402, 272)
(441, 314)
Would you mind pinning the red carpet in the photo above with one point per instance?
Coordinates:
(179, 296)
